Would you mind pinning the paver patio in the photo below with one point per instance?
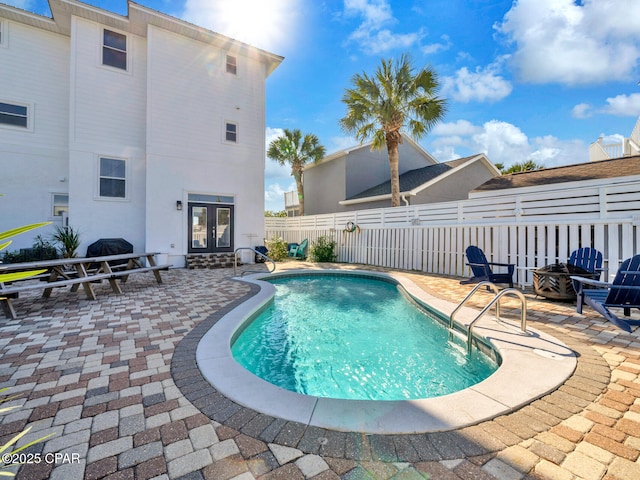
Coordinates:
(116, 381)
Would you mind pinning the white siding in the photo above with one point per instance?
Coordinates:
(108, 118)
(190, 97)
(33, 162)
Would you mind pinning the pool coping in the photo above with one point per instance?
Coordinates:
(533, 364)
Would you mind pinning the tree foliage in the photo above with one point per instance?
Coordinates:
(296, 150)
(394, 99)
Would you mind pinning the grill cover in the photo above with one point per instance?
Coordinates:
(109, 246)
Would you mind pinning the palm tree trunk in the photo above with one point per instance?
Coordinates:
(392, 151)
(300, 188)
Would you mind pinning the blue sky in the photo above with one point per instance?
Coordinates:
(527, 79)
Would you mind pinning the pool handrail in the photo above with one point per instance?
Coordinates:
(235, 261)
(489, 285)
(496, 300)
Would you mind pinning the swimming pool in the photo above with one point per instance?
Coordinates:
(355, 337)
(533, 364)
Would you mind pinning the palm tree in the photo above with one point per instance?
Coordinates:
(526, 166)
(294, 149)
(394, 98)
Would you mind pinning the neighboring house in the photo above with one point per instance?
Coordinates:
(359, 178)
(588, 174)
(627, 147)
(142, 126)
(292, 204)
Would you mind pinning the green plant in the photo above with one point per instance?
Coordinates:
(68, 241)
(323, 250)
(7, 456)
(5, 242)
(277, 249)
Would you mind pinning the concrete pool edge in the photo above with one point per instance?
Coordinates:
(534, 364)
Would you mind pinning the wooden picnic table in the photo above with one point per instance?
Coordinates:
(75, 272)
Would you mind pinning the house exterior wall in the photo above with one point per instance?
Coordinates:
(190, 98)
(33, 161)
(324, 186)
(108, 118)
(328, 183)
(164, 116)
(454, 187)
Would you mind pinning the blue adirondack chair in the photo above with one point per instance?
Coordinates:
(623, 292)
(299, 252)
(588, 259)
(482, 270)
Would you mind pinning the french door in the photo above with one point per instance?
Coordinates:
(210, 228)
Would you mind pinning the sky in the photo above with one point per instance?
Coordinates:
(525, 79)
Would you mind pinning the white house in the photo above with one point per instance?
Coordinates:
(143, 127)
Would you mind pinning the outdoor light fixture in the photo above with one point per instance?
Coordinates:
(179, 205)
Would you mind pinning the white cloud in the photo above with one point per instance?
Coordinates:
(504, 143)
(623, 105)
(582, 110)
(483, 85)
(274, 195)
(572, 42)
(460, 127)
(437, 47)
(373, 34)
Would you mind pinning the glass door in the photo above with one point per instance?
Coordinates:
(210, 228)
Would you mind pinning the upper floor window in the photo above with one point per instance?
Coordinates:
(231, 132)
(3, 33)
(14, 115)
(232, 64)
(113, 176)
(114, 49)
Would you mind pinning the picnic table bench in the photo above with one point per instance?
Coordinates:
(76, 272)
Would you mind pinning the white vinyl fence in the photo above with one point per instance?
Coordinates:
(533, 228)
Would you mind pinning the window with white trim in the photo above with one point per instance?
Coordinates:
(112, 177)
(14, 114)
(114, 49)
(231, 132)
(3, 33)
(232, 64)
(60, 204)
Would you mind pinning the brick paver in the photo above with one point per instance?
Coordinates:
(115, 380)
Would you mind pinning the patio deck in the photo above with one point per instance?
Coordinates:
(115, 379)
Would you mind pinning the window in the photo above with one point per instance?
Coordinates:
(14, 115)
(232, 64)
(3, 33)
(114, 50)
(60, 204)
(231, 132)
(112, 178)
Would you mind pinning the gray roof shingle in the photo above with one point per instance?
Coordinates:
(412, 179)
(616, 167)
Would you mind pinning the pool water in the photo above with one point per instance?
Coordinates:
(348, 337)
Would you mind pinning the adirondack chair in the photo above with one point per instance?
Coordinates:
(623, 292)
(588, 259)
(299, 252)
(482, 270)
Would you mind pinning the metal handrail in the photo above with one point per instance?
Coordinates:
(523, 312)
(490, 285)
(235, 261)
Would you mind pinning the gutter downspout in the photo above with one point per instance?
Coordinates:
(404, 199)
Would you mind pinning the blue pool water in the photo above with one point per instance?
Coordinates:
(348, 337)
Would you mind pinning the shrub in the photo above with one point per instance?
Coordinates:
(277, 249)
(68, 241)
(323, 250)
